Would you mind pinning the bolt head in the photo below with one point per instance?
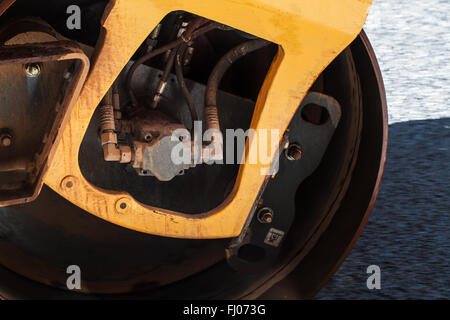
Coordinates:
(6, 140)
(294, 152)
(32, 70)
(265, 215)
(267, 218)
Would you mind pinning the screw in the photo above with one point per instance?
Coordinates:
(6, 140)
(32, 70)
(294, 152)
(265, 215)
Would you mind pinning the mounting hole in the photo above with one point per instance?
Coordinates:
(148, 137)
(68, 183)
(315, 114)
(251, 253)
(123, 205)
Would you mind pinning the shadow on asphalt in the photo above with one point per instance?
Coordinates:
(408, 233)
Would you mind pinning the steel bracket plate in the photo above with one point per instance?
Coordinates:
(259, 243)
(34, 109)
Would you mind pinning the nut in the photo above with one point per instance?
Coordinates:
(108, 137)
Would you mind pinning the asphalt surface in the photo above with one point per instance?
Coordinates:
(408, 233)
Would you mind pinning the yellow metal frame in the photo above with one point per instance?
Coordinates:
(311, 33)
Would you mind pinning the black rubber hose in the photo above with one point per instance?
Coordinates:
(194, 25)
(182, 84)
(161, 50)
(211, 114)
(165, 75)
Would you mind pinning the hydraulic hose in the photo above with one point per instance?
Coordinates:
(215, 148)
(182, 83)
(211, 113)
(158, 51)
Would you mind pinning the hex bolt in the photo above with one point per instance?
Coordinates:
(294, 152)
(265, 215)
(6, 140)
(32, 70)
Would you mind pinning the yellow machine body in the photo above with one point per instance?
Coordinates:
(310, 34)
